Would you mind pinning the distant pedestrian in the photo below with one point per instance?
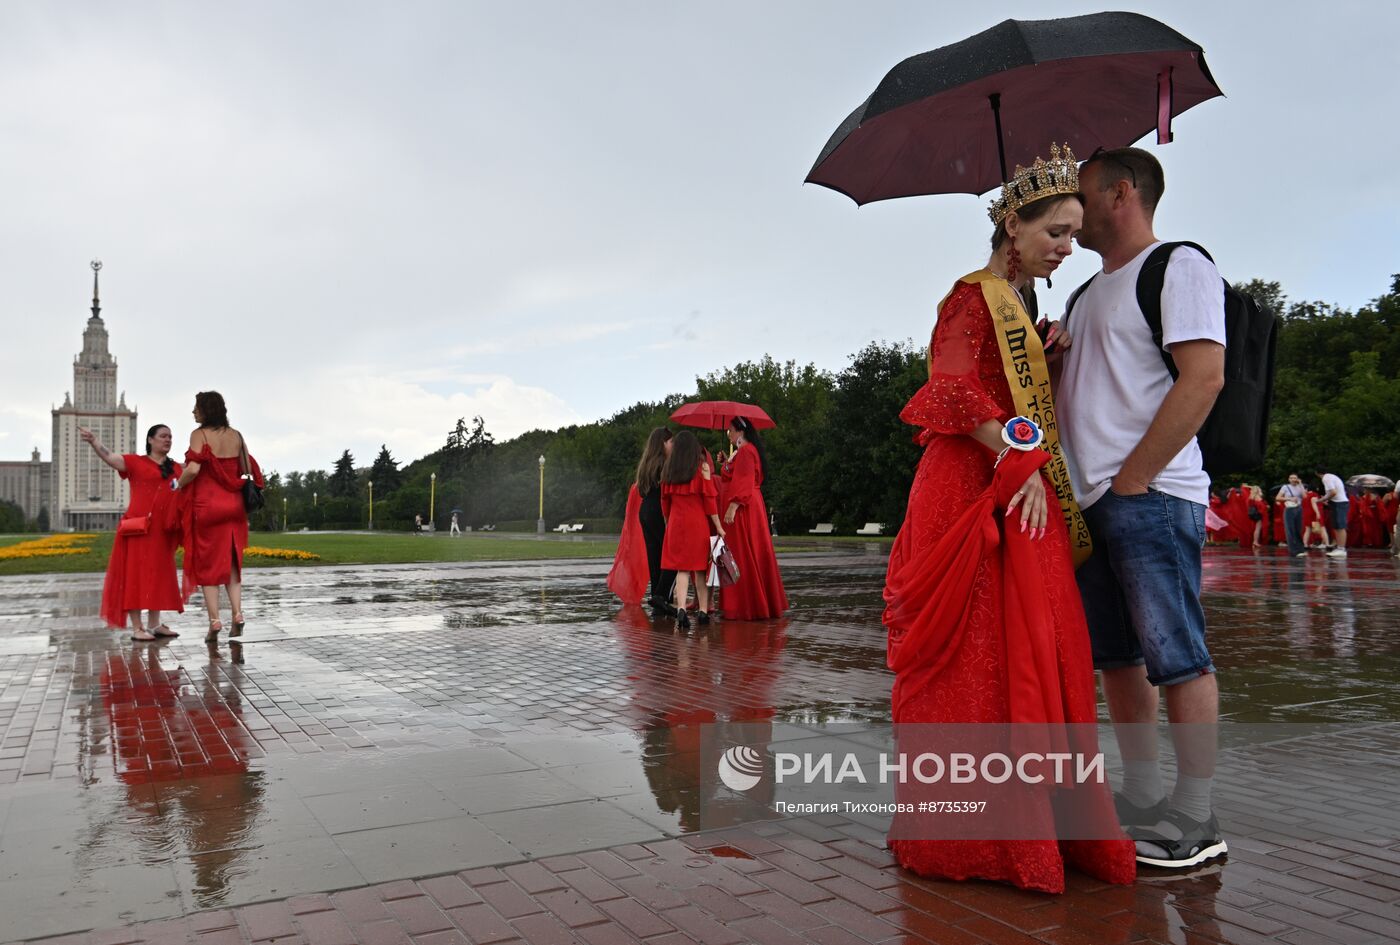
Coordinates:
(417, 524)
(1338, 506)
(1291, 495)
(456, 529)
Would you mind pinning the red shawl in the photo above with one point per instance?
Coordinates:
(630, 571)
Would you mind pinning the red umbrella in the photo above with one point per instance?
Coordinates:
(716, 414)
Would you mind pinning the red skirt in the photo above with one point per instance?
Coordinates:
(687, 546)
(141, 575)
(759, 593)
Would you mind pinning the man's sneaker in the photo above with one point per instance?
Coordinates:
(1199, 842)
(1337, 553)
(1131, 815)
(1301, 554)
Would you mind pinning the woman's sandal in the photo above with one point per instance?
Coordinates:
(214, 627)
(237, 630)
(142, 636)
(164, 631)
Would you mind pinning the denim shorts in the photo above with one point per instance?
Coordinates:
(1142, 585)
(1337, 515)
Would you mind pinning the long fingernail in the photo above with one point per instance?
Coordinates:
(1023, 526)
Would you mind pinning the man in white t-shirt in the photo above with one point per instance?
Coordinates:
(1337, 504)
(1129, 433)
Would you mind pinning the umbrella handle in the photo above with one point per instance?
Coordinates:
(995, 99)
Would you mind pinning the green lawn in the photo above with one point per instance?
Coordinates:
(353, 548)
(393, 548)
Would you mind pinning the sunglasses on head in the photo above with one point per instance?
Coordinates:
(1101, 155)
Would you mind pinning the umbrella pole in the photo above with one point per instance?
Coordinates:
(995, 98)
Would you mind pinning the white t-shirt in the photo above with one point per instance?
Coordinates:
(1333, 490)
(1113, 379)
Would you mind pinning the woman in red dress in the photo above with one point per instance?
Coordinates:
(687, 501)
(141, 572)
(758, 594)
(957, 655)
(1314, 529)
(216, 523)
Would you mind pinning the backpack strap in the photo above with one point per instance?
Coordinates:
(1151, 278)
(1074, 297)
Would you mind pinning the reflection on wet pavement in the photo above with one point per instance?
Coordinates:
(376, 723)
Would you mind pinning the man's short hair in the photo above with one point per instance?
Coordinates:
(1134, 165)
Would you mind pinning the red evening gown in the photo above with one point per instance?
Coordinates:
(966, 387)
(216, 524)
(759, 593)
(687, 507)
(630, 571)
(141, 572)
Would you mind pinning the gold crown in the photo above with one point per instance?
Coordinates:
(1059, 175)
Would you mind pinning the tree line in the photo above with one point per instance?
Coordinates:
(840, 452)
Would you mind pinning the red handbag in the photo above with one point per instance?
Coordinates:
(136, 525)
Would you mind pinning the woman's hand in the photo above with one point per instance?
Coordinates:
(1031, 498)
(705, 470)
(730, 512)
(88, 436)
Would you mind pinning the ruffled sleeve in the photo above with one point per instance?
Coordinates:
(954, 399)
(741, 476)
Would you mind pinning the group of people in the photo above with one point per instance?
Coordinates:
(681, 501)
(197, 505)
(1323, 516)
(1056, 521)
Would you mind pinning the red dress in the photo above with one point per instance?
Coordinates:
(687, 507)
(759, 592)
(630, 571)
(216, 524)
(967, 386)
(141, 571)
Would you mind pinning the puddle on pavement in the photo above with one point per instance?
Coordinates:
(214, 763)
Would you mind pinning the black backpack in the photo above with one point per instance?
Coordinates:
(1235, 434)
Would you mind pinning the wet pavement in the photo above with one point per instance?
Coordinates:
(379, 725)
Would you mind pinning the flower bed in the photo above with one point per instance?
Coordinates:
(50, 546)
(285, 554)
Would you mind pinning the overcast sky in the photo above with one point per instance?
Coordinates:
(360, 221)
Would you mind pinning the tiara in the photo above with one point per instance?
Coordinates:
(1059, 175)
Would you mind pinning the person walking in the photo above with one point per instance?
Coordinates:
(141, 571)
(1337, 507)
(1291, 496)
(217, 464)
(456, 529)
(759, 593)
(976, 623)
(1140, 478)
(687, 502)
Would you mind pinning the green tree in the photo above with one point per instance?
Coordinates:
(11, 518)
(343, 482)
(384, 473)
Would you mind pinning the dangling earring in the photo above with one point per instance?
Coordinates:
(1013, 261)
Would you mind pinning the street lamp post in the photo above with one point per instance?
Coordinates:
(371, 505)
(284, 513)
(315, 500)
(539, 525)
(432, 501)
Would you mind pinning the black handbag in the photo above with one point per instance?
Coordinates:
(252, 495)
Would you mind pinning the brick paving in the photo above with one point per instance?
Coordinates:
(495, 753)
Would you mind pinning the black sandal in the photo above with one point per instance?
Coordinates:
(1131, 815)
(1199, 841)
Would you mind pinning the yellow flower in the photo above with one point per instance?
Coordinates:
(286, 554)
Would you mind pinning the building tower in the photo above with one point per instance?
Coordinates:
(87, 494)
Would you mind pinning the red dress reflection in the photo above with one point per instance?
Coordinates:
(969, 683)
(759, 592)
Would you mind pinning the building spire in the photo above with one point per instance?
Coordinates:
(96, 305)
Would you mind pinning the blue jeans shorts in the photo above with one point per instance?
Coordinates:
(1337, 513)
(1142, 586)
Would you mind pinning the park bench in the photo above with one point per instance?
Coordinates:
(823, 528)
(871, 528)
(576, 527)
(561, 528)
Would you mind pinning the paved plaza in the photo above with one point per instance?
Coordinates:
(495, 753)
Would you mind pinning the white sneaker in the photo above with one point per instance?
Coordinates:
(1337, 553)
(1301, 554)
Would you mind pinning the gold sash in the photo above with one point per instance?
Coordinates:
(1023, 358)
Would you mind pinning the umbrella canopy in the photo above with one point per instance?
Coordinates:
(716, 414)
(1370, 481)
(954, 120)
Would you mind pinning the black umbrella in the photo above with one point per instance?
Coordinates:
(953, 120)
